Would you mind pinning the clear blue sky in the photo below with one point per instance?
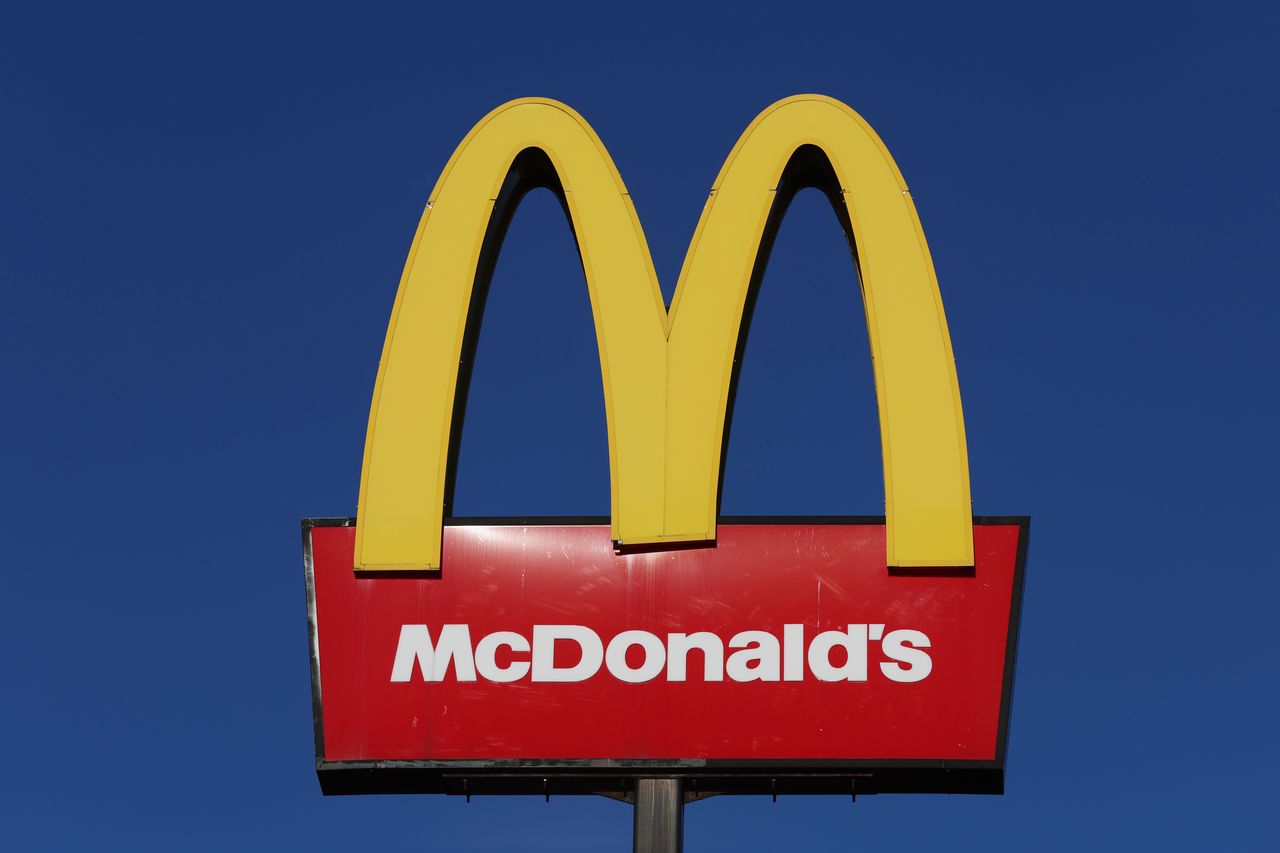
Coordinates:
(203, 216)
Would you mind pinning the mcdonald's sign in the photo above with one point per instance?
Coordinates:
(747, 655)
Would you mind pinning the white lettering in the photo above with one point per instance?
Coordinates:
(759, 648)
(754, 656)
(918, 662)
(793, 653)
(854, 642)
(711, 646)
(544, 653)
(486, 657)
(433, 661)
(655, 656)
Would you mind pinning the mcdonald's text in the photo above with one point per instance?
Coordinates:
(636, 656)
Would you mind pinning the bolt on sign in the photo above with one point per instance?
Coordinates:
(740, 655)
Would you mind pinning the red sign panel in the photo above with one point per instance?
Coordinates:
(785, 657)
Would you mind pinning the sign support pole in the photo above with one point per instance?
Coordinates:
(659, 817)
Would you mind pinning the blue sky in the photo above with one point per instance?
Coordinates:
(205, 210)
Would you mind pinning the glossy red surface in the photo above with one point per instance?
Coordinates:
(757, 577)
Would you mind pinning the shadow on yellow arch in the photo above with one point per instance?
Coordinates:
(667, 374)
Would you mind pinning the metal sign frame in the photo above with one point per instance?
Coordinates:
(700, 778)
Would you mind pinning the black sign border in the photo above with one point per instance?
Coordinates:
(702, 777)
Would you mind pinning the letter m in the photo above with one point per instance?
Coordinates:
(415, 646)
(667, 374)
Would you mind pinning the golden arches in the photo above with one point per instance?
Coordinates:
(667, 374)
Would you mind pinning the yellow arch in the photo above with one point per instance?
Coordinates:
(667, 374)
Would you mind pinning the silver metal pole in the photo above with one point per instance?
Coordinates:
(659, 816)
